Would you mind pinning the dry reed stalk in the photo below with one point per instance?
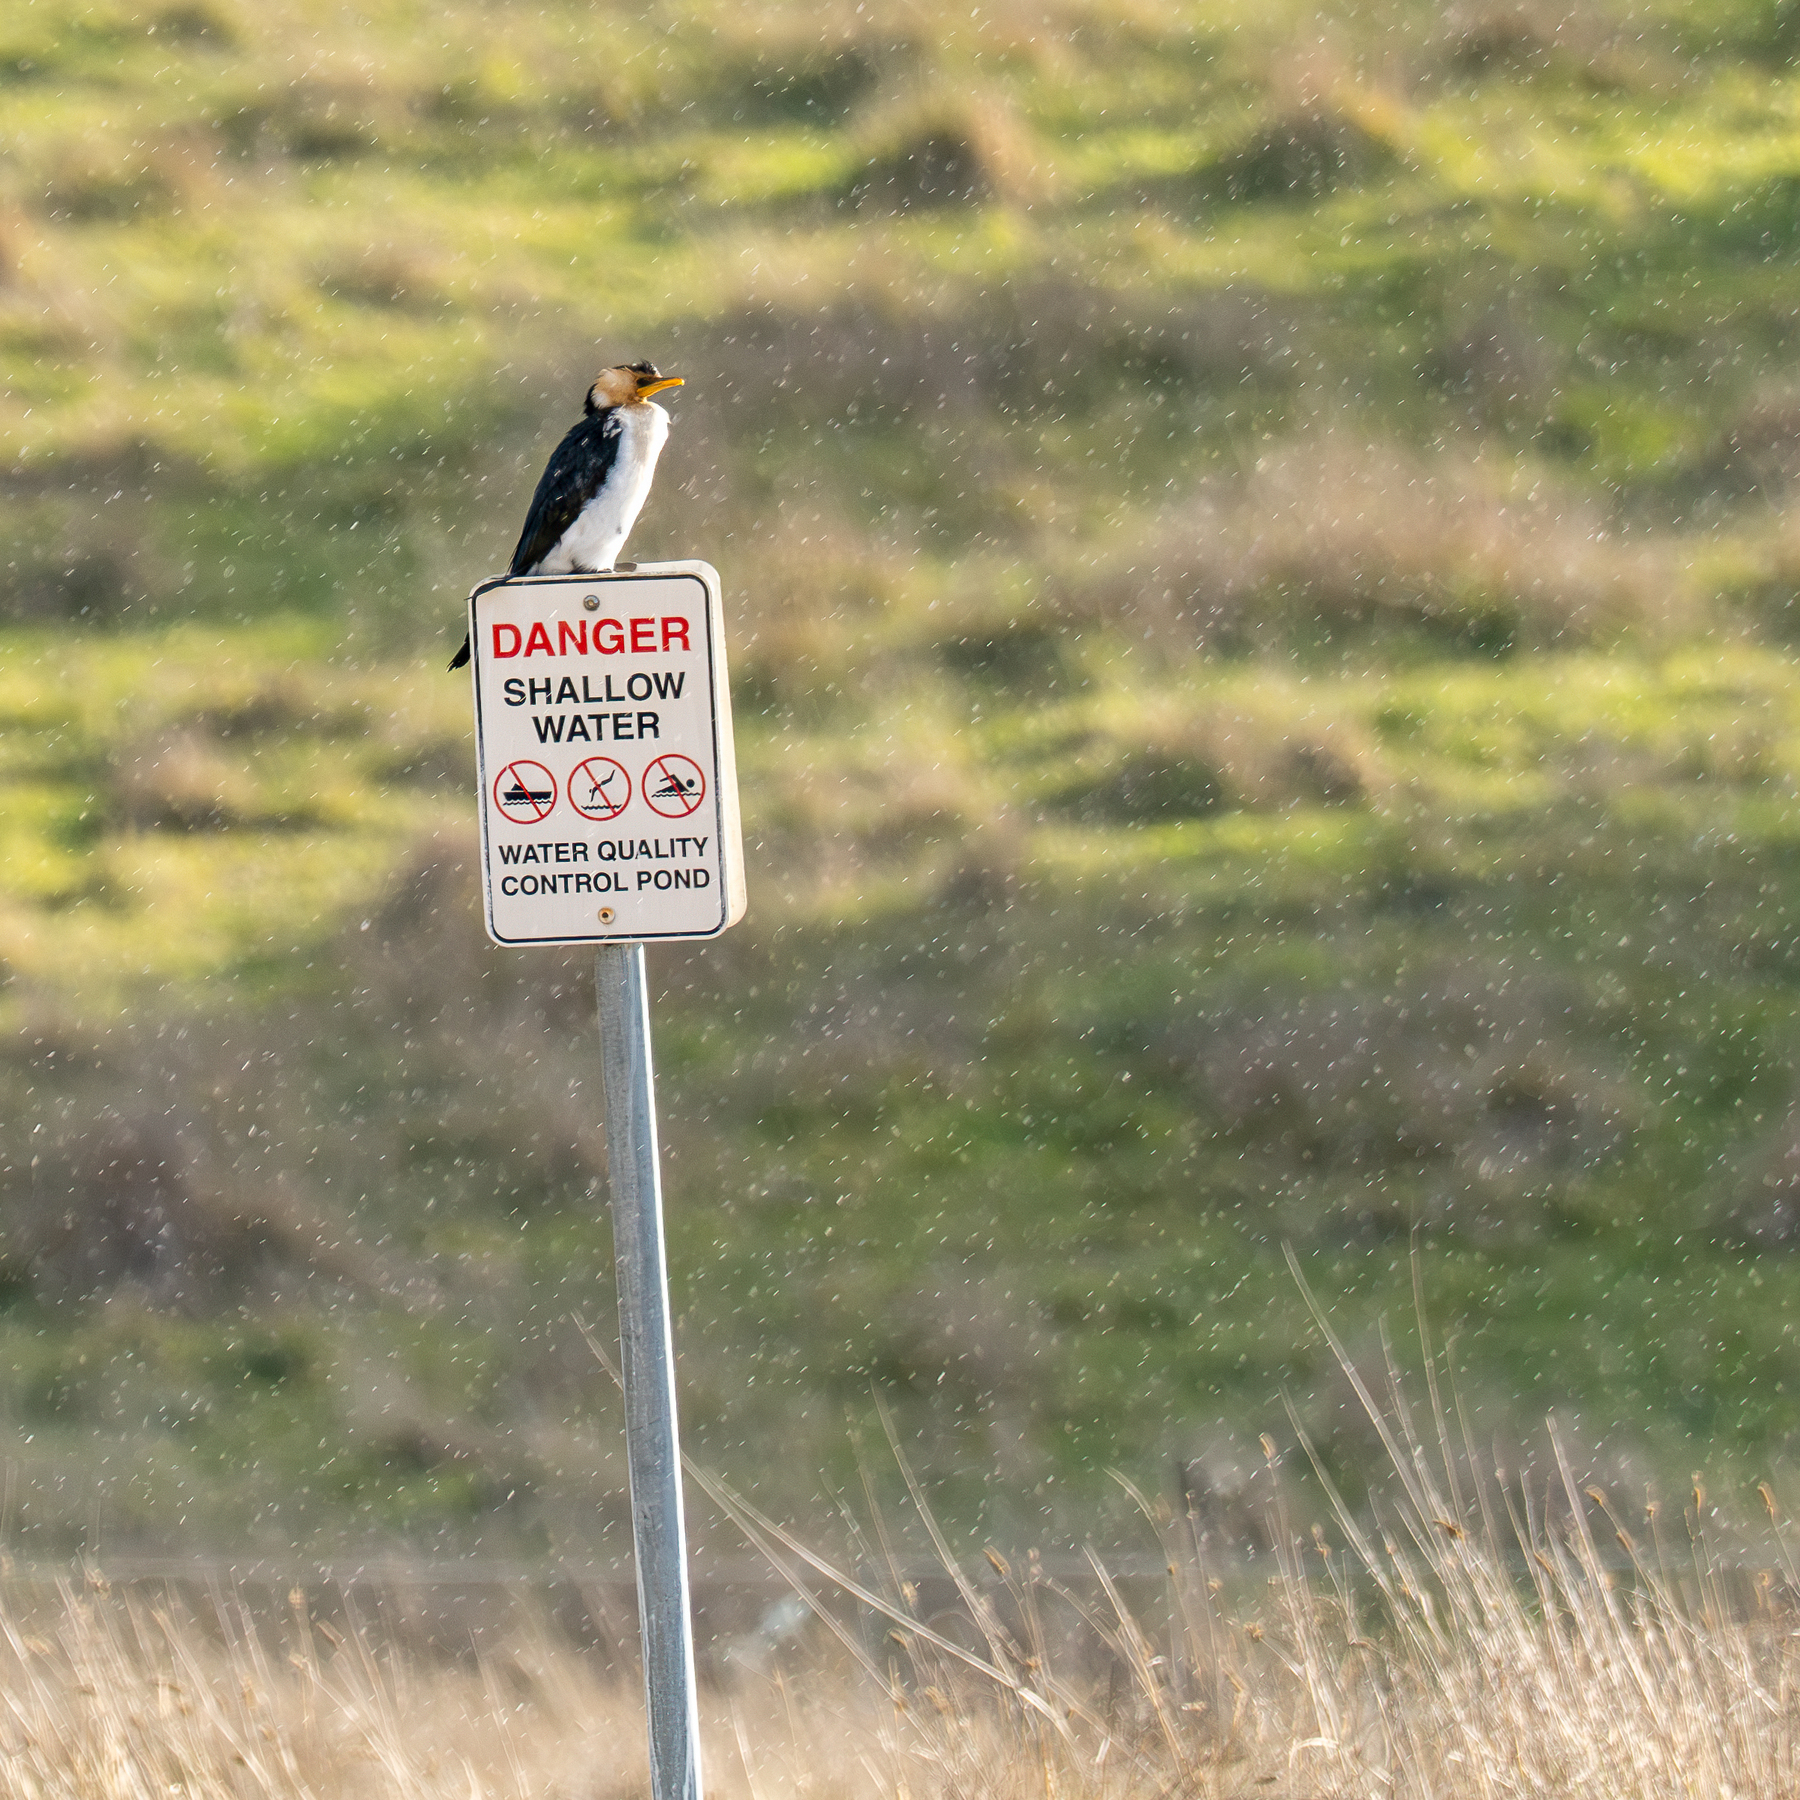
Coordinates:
(1460, 1638)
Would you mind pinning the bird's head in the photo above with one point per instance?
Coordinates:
(627, 385)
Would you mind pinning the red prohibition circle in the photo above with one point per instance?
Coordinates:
(673, 785)
(599, 788)
(525, 792)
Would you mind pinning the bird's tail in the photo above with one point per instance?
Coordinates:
(460, 659)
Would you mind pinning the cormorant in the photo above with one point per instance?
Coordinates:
(596, 481)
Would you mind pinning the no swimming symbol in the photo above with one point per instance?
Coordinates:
(674, 785)
(525, 792)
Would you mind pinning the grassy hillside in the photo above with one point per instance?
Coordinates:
(1263, 592)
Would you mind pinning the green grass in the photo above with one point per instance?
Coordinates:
(1260, 586)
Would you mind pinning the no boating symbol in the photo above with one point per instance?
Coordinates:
(674, 786)
(599, 788)
(525, 792)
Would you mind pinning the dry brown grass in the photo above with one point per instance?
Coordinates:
(1462, 1636)
(112, 1694)
(1350, 531)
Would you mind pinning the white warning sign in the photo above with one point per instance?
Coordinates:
(608, 782)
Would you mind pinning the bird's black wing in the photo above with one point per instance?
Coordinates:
(570, 480)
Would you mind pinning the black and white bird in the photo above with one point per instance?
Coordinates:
(596, 481)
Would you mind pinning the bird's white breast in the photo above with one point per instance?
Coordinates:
(594, 541)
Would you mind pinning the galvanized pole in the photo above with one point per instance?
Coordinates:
(647, 1345)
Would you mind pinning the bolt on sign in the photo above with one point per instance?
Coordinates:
(608, 780)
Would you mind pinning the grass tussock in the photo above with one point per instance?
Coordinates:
(1323, 129)
(180, 779)
(1339, 533)
(1183, 759)
(1582, 45)
(942, 146)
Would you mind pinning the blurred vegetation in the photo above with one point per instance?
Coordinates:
(1265, 586)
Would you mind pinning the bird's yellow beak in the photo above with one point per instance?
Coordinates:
(647, 388)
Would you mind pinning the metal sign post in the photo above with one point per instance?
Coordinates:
(609, 815)
(647, 1358)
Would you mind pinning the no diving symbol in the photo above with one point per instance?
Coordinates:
(525, 791)
(599, 788)
(674, 785)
